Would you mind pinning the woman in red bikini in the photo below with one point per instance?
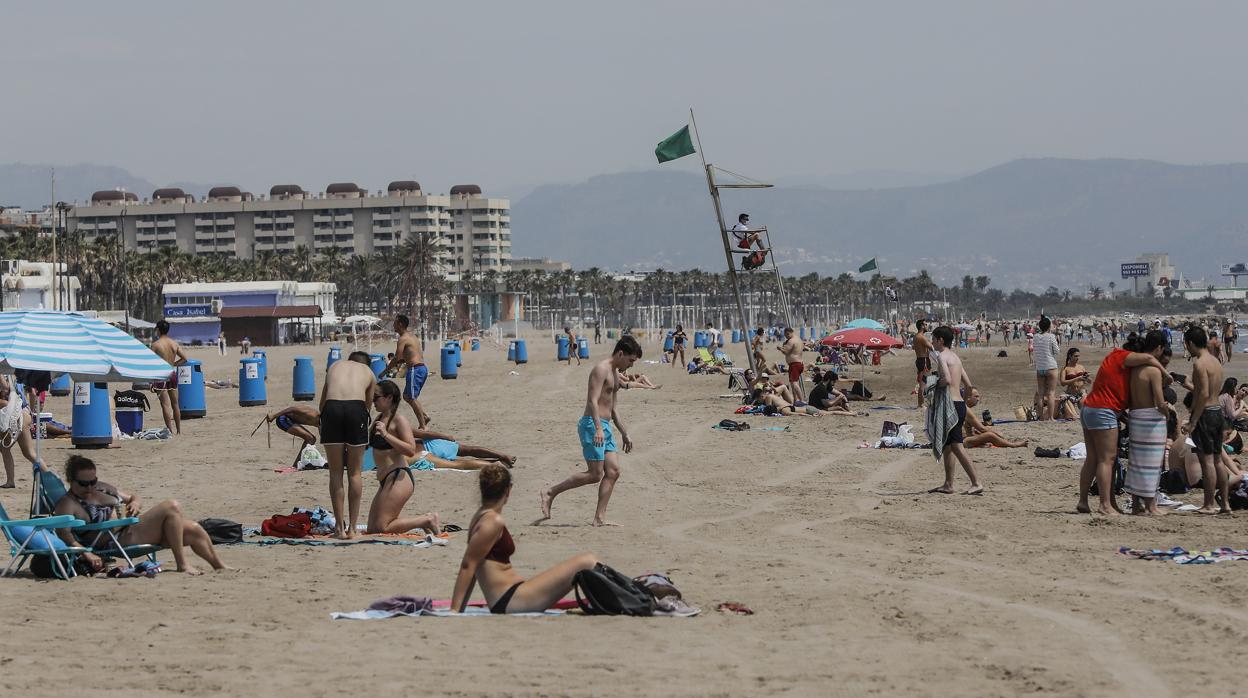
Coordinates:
(488, 558)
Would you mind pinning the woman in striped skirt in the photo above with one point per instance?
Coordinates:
(1146, 425)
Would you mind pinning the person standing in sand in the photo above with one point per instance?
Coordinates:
(167, 390)
(792, 350)
(1146, 426)
(348, 391)
(574, 349)
(597, 441)
(1206, 421)
(922, 357)
(1045, 346)
(407, 353)
(760, 361)
(953, 379)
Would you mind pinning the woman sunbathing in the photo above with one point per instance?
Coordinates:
(94, 502)
(773, 403)
(635, 380)
(487, 559)
(976, 434)
(393, 447)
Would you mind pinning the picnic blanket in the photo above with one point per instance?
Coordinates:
(1187, 557)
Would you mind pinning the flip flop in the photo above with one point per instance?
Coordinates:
(975, 493)
(937, 490)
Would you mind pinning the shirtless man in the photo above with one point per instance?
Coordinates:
(295, 420)
(977, 434)
(349, 388)
(597, 442)
(408, 354)
(953, 379)
(1205, 423)
(922, 357)
(574, 349)
(169, 350)
(792, 350)
(1146, 426)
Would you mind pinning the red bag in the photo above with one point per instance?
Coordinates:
(287, 525)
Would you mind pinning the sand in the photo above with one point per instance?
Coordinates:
(861, 585)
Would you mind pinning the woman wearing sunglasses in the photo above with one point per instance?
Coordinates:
(95, 502)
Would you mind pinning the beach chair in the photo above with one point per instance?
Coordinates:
(105, 543)
(717, 359)
(30, 538)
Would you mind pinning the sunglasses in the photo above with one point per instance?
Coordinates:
(86, 483)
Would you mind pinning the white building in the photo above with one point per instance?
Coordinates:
(31, 286)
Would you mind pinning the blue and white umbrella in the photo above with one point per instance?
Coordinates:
(86, 348)
(862, 323)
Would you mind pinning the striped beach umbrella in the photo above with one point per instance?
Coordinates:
(86, 348)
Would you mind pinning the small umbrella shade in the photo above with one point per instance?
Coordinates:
(862, 337)
(864, 322)
(88, 349)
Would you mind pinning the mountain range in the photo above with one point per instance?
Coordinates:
(1028, 223)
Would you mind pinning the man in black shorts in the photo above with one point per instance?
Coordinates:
(1205, 423)
(922, 361)
(348, 391)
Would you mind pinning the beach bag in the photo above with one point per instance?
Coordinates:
(659, 585)
(754, 260)
(296, 525)
(1173, 481)
(730, 425)
(310, 458)
(222, 531)
(603, 591)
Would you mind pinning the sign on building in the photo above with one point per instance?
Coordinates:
(188, 310)
(1132, 270)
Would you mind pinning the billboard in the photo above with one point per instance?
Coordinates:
(1234, 269)
(1132, 270)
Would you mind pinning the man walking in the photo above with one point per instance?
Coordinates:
(597, 442)
(167, 390)
(947, 399)
(407, 353)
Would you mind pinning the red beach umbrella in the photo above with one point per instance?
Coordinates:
(862, 337)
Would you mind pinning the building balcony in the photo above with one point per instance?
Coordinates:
(227, 221)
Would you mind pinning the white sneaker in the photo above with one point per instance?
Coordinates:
(1165, 501)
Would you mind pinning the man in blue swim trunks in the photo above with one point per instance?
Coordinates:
(295, 420)
(408, 354)
(594, 429)
(463, 456)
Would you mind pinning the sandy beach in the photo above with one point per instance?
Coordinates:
(860, 583)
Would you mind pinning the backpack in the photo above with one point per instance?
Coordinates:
(730, 425)
(603, 591)
(296, 525)
(222, 530)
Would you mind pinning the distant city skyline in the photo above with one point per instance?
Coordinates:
(510, 96)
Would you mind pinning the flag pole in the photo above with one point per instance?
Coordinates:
(723, 234)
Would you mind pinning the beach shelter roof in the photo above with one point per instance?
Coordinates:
(864, 322)
(88, 349)
(861, 337)
(362, 319)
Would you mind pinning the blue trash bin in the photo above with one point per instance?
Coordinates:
(801, 333)
(335, 353)
(669, 344)
(522, 352)
(378, 363)
(303, 386)
(264, 363)
(476, 344)
(561, 343)
(699, 339)
(456, 351)
(250, 385)
(61, 386)
(511, 350)
(582, 347)
(450, 369)
(191, 399)
(92, 425)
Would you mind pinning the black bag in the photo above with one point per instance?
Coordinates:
(604, 592)
(730, 425)
(223, 531)
(41, 566)
(130, 399)
(1174, 481)
(860, 390)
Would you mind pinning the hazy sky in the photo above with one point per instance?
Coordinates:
(513, 94)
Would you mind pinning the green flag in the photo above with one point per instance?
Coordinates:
(869, 266)
(677, 145)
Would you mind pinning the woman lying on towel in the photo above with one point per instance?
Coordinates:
(394, 447)
(487, 560)
(772, 403)
(94, 502)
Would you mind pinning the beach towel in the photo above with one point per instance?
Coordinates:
(470, 612)
(1187, 557)
(422, 540)
(942, 416)
(1146, 451)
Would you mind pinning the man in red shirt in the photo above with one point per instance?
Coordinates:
(1099, 416)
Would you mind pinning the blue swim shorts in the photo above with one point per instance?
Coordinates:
(1098, 418)
(416, 377)
(585, 429)
(448, 450)
(422, 464)
(284, 422)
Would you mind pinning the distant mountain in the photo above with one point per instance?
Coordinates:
(1027, 224)
(29, 186)
(865, 179)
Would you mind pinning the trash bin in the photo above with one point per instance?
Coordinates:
(264, 363)
(61, 386)
(511, 350)
(250, 385)
(522, 352)
(92, 423)
(335, 353)
(582, 347)
(450, 369)
(378, 363)
(561, 344)
(191, 402)
(303, 384)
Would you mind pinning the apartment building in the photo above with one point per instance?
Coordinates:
(472, 230)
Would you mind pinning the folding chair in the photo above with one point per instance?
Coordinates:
(30, 538)
(105, 542)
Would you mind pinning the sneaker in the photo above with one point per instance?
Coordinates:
(1165, 501)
